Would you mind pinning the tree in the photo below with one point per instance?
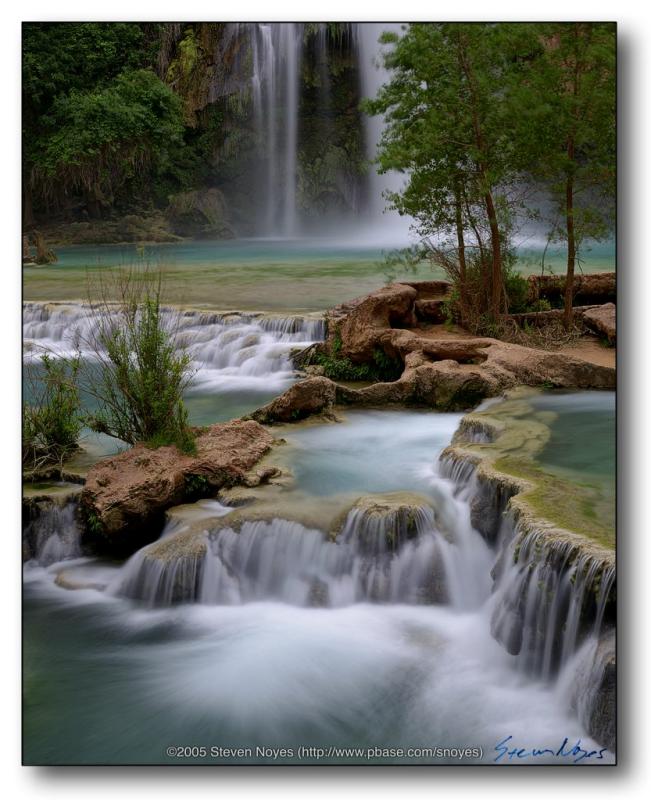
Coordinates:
(447, 129)
(62, 57)
(97, 140)
(564, 109)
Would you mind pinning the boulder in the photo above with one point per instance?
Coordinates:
(382, 523)
(602, 320)
(447, 372)
(441, 374)
(314, 395)
(389, 307)
(126, 496)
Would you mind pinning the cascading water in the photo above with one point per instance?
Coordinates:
(549, 596)
(389, 559)
(277, 52)
(52, 534)
(229, 351)
(381, 222)
(276, 55)
(269, 623)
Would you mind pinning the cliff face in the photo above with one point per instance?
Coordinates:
(270, 119)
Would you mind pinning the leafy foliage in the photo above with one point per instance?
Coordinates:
(487, 121)
(97, 140)
(52, 417)
(142, 370)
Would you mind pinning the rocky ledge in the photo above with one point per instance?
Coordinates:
(550, 545)
(436, 368)
(125, 497)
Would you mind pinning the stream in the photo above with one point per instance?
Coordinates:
(292, 639)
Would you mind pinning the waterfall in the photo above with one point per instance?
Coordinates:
(399, 554)
(550, 594)
(373, 74)
(283, 560)
(228, 351)
(276, 51)
(52, 533)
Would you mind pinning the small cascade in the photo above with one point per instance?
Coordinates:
(162, 575)
(550, 594)
(228, 350)
(383, 556)
(244, 351)
(588, 686)
(52, 533)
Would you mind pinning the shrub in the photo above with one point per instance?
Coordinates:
(517, 289)
(142, 372)
(52, 419)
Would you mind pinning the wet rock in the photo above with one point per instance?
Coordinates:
(168, 571)
(124, 503)
(312, 396)
(383, 522)
(51, 529)
(448, 373)
(601, 711)
(199, 213)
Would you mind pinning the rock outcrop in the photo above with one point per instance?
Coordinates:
(602, 320)
(315, 395)
(199, 213)
(449, 373)
(125, 497)
(600, 703)
(592, 289)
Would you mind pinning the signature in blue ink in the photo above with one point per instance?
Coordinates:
(506, 751)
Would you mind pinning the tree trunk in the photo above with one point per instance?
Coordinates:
(28, 206)
(461, 244)
(568, 314)
(497, 283)
(43, 253)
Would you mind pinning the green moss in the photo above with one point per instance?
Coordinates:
(575, 506)
(568, 505)
(340, 368)
(93, 523)
(196, 486)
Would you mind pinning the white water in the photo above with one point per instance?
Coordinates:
(230, 352)
(276, 50)
(54, 535)
(295, 638)
(385, 224)
(276, 56)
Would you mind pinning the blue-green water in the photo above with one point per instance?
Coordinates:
(261, 274)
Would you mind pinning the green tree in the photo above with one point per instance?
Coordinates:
(98, 140)
(59, 58)
(564, 105)
(448, 130)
